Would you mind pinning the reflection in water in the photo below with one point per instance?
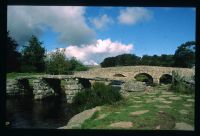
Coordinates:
(27, 113)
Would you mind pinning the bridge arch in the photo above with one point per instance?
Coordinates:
(144, 77)
(165, 78)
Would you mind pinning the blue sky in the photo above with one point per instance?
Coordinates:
(85, 30)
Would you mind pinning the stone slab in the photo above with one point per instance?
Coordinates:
(140, 112)
(121, 124)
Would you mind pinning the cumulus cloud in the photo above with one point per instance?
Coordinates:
(93, 54)
(102, 21)
(68, 21)
(133, 15)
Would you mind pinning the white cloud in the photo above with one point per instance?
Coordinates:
(133, 15)
(94, 54)
(68, 21)
(102, 21)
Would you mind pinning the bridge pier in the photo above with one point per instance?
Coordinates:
(156, 80)
(72, 86)
(42, 90)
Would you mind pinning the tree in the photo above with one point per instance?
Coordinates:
(12, 55)
(76, 65)
(185, 55)
(108, 62)
(56, 63)
(145, 60)
(33, 56)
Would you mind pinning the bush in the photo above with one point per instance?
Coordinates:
(76, 65)
(179, 84)
(100, 94)
(181, 88)
(56, 63)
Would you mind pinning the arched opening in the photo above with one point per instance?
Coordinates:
(144, 77)
(118, 75)
(85, 82)
(55, 84)
(166, 79)
(25, 88)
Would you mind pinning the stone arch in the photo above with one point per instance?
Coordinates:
(55, 84)
(119, 75)
(85, 82)
(165, 78)
(24, 87)
(150, 79)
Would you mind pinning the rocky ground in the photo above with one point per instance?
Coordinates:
(157, 109)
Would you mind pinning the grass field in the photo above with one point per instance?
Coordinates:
(14, 75)
(158, 109)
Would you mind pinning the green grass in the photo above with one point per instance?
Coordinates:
(14, 75)
(147, 121)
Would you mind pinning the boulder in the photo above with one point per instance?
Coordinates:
(133, 86)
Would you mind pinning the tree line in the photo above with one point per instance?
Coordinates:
(32, 58)
(184, 57)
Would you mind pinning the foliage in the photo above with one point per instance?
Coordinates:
(76, 65)
(56, 63)
(100, 94)
(145, 78)
(142, 78)
(179, 84)
(12, 55)
(108, 62)
(185, 55)
(14, 74)
(33, 56)
(131, 60)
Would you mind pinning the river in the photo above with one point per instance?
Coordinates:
(25, 112)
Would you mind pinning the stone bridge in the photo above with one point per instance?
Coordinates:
(126, 73)
(43, 86)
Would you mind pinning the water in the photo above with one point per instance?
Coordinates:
(25, 112)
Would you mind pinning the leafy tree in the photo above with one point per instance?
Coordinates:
(185, 55)
(166, 60)
(56, 63)
(127, 60)
(12, 55)
(33, 56)
(108, 62)
(76, 65)
(145, 60)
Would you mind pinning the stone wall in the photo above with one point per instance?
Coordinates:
(17, 87)
(129, 72)
(72, 86)
(42, 90)
(133, 86)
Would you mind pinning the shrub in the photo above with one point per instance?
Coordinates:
(99, 94)
(76, 65)
(56, 63)
(179, 84)
(181, 88)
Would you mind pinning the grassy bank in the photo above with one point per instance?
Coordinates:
(14, 75)
(163, 110)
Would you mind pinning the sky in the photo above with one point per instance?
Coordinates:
(93, 33)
